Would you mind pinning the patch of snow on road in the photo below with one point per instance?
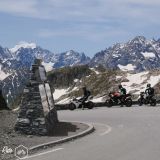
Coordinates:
(128, 67)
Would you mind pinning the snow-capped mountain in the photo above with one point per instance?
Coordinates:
(70, 58)
(138, 54)
(16, 62)
(5, 53)
(22, 45)
(27, 52)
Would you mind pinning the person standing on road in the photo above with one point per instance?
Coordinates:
(86, 94)
(149, 91)
(123, 92)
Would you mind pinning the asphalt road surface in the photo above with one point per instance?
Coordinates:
(121, 134)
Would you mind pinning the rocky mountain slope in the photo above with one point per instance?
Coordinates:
(138, 54)
(100, 82)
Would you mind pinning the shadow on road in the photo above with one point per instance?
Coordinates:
(64, 128)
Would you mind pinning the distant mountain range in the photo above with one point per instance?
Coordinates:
(15, 64)
(138, 54)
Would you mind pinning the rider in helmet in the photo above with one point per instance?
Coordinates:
(123, 92)
(149, 91)
(86, 94)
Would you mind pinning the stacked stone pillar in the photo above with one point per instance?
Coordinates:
(38, 115)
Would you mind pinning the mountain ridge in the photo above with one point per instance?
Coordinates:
(140, 53)
(136, 55)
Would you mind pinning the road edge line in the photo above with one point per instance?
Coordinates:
(89, 130)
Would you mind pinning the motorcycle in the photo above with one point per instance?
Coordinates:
(77, 103)
(115, 99)
(145, 99)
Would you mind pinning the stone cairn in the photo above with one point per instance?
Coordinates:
(38, 115)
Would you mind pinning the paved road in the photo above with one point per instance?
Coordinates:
(121, 134)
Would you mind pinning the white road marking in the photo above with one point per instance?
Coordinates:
(107, 131)
(109, 128)
(43, 153)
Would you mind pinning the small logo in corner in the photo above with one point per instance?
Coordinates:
(21, 152)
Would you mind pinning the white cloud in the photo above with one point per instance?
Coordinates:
(19, 7)
(88, 32)
(91, 19)
(83, 10)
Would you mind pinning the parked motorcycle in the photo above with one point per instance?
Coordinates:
(77, 103)
(145, 99)
(114, 99)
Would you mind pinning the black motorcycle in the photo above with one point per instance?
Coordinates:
(145, 99)
(115, 100)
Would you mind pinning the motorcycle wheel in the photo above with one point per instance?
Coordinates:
(109, 103)
(90, 105)
(72, 107)
(128, 103)
(153, 102)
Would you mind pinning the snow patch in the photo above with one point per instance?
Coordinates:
(99, 99)
(137, 82)
(148, 54)
(118, 77)
(93, 69)
(23, 45)
(128, 67)
(64, 101)
(48, 66)
(75, 89)
(76, 80)
(3, 75)
(59, 92)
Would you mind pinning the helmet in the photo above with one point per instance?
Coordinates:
(120, 86)
(148, 85)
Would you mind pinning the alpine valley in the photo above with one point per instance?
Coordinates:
(133, 64)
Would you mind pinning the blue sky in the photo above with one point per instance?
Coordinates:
(86, 26)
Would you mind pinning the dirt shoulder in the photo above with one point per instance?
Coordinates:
(8, 137)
